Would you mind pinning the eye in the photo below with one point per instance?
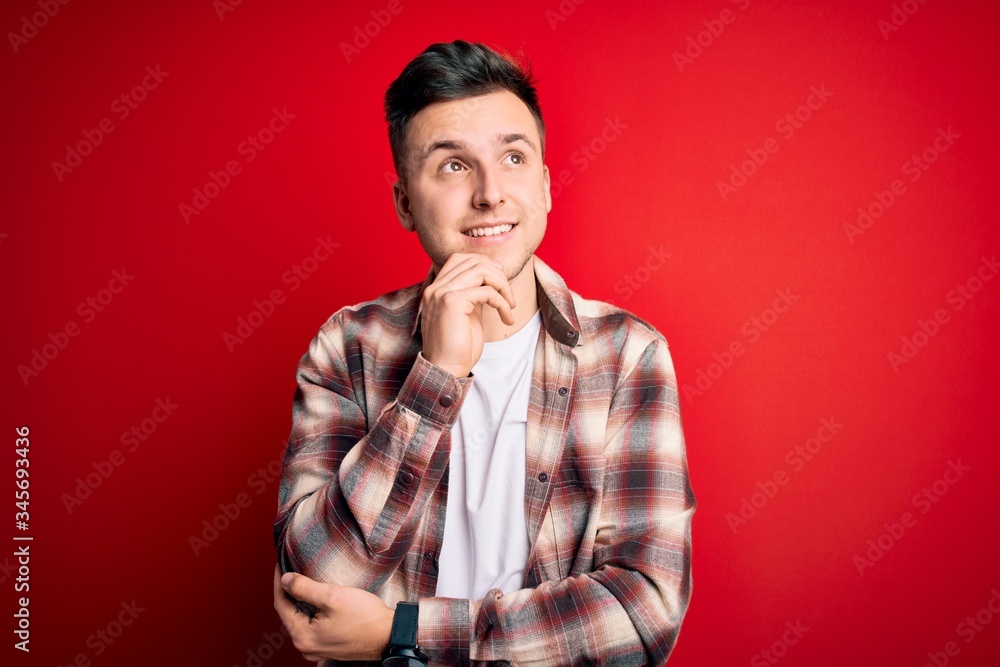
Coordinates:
(452, 167)
(516, 157)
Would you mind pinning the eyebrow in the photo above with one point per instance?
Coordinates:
(453, 145)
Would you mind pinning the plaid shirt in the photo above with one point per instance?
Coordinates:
(607, 500)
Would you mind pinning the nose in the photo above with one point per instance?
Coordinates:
(488, 192)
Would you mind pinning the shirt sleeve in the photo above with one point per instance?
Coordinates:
(352, 493)
(628, 609)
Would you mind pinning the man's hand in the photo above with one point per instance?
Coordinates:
(452, 316)
(351, 624)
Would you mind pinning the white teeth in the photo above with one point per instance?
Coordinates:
(489, 231)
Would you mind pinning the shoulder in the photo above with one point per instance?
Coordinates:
(375, 331)
(612, 335)
(605, 321)
(600, 323)
(392, 313)
(613, 340)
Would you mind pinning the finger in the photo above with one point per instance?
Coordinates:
(506, 290)
(491, 297)
(454, 265)
(305, 589)
(459, 263)
(492, 275)
(286, 610)
(475, 271)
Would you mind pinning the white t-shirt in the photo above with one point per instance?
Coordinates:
(485, 534)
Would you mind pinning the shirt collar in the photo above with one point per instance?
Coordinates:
(555, 301)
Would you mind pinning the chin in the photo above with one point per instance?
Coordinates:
(513, 273)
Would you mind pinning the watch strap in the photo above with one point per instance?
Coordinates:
(404, 626)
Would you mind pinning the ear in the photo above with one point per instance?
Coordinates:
(548, 192)
(402, 203)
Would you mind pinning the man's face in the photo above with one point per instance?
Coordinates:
(474, 165)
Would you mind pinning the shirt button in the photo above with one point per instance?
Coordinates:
(563, 391)
(405, 477)
(428, 556)
(542, 477)
(446, 401)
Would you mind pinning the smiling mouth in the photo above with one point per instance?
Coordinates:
(490, 231)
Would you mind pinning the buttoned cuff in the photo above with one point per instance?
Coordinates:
(433, 393)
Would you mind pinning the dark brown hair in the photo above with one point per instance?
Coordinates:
(454, 71)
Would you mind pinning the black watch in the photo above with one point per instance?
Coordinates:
(403, 650)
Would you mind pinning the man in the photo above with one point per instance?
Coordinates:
(488, 446)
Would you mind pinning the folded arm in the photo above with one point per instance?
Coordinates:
(352, 493)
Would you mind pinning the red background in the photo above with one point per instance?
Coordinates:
(654, 187)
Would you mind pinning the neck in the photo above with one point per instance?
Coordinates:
(526, 298)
